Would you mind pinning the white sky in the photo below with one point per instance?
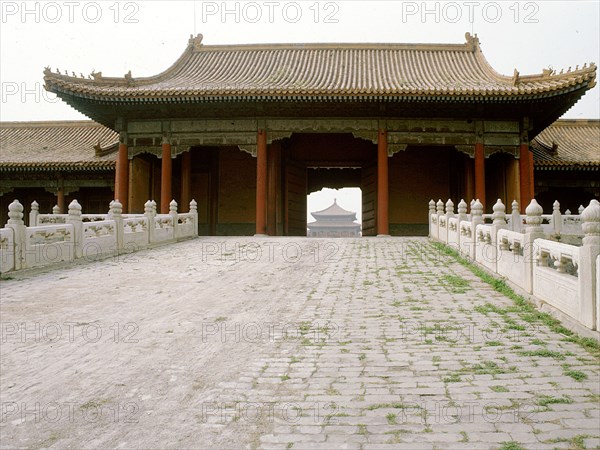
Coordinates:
(146, 37)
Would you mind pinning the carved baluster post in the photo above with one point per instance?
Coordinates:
(449, 213)
(440, 207)
(175, 217)
(75, 220)
(56, 210)
(556, 218)
(533, 231)
(431, 207)
(516, 217)
(154, 209)
(34, 213)
(149, 213)
(534, 218)
(194, 212)
(462, 216)
(449, 209)
(476, 219)
(498, 222)
(499, 216)
(589, 307)
(431, 212)
(580, 209)
(568, 212)
(462, 211)
(116, 214)
(439, 212)
(15, 222)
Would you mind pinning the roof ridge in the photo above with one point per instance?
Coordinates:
(578, 122)
(48, 123)
(195, 45)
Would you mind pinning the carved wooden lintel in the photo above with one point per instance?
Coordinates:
(249, 148)
(367, 135)
(6, 190)
(395, 148)
(491, 149)
(466, 149)
(277, 135)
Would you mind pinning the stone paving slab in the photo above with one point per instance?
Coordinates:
(280, 343)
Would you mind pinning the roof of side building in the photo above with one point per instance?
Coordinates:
(57, 145)
(572, 144)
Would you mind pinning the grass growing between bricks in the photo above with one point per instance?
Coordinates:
(526, 310)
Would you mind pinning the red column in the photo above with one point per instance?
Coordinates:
(122, 177)
(480, 174)
(273, 152)
(531, 179)
(186, 180)
(382, 184)
(261, 182)
(524, 174)
(165, 179)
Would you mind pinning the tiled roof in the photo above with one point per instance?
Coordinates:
(336, 211)
(572, 143)
(444, 72)
(60, 145)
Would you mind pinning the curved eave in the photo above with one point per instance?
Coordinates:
(324, 97)
(53, 167)
(587, 166)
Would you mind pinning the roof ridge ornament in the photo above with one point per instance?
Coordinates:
(196, 42)
(515, 78)
(472, 41)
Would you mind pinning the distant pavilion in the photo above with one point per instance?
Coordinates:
(334, 221)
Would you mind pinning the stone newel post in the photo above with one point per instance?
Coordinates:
(534, 218)
(499, 216)
(115, 213)
(461, 216)
(175, 217)
(588, 254)
(533, 231)
(15, 222)
(75, 220)
(556, 218)
(56, 209)
(516, 217)
(431, 213)
(476, 219)
(462, 211)
(33, 214)
(194, 212)
(476, 215)
(149, 211)
(440, 207)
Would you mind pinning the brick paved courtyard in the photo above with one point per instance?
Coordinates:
(285, 343)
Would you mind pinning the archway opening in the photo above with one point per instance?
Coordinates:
(344, 206)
